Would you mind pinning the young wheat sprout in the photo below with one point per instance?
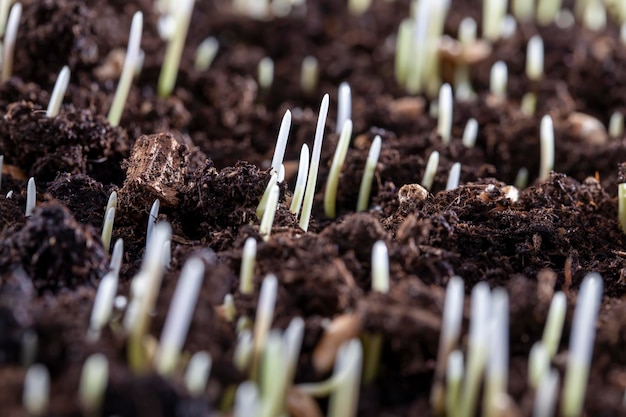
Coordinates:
(454, 379)
(266, 73)
(116, 257)
(444, 121)
(1, 163)
(330, 194)
(264, 317)
(246, 273)
(546, 139)
(93, 383)
(128, 70)
(508, 27)
(4, 14)
(498, 80)
(380, 267)
(493, 14)
(112, 202)
(344, 399)
(173, 54)
(622, 33)
(31, 197)
(309, 194)
(581, 345)
(167, 254)
(454, 176)
(292, 343)
(498, 363)
(344, 106)
(365, 189)
(534, 58)
(358, 7)
(431, 170)
(60, 86)
(107, 229)
(621, 206)
(230, 311)
(281, 142)
(247, 401)
(102, 306)
(152, 219)
(521, 179)
(303, 170)
(272, 382)
(265, 228)
(616, 126)
(197, 374)
(524, 10)
(179, 316)
(206, 53)
(404, 43)
(28, 353)
(546, 395)
(10, 36)
(594, 17)
(309, 74)
(547, 11)
(9, 194)
(538, 364)
(470, 133)
(243, 350)
(260, 209)
(448, 339)
(36, 393)
(554, 324)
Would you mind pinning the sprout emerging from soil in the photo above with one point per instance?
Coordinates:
(152, 219)
(358, 7)
(206, 53)
(179, 316)
(554, 324)
(128, 70)
(265, 228)
(547, 11)
(538, 364)
(498, 364)
(594, 17)
(264, 317)
(228, 308)
(621, 205)
(60, 86)
(365, 188)
(498, 80)
(546, 395)
(31, 197)
(493, 15)
(303, 169)
(243, 350)
(36, 393)
(10, 37)
(116, 257)
(444, 122)
(260, 209)
(330, 195)
(169, 71)
(28, 354)
(1, 163)
(246, 273)
(523, 10)
(102, 306)
(403, 51)
(247, 400)
(4, 13)
(581, 345)
(266, 73)
(534, 58)
(107, 228)
(93, 383)
(616, 125)
(315, 162)
(344, 106)
(546, 138)
(521, 179)
(431, 170)
(470, 133)
(281, 142)
(309, 74)
(344, 399)
(197, 374)
(454, 379)
(454, 176)
(508, 27)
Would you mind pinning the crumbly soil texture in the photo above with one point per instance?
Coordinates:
(205, 151)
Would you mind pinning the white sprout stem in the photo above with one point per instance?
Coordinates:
(470, 133)
(281, 142)
(94, 379)
(303, 169)
(454, 176)
(444, 121)
(365, 189)
(230, 311)
(152, 219)
(546, 395)
(523, 10)
(206, 53)
(102, 306)
(60, 87)
(534, 58)
(467, 31)
(167, 253)
(246, 273)
(528, 106)
(31, 197)
(107, 229)
(197, 373)
(547, 10)
(432, 77)
(477, 348)
(380, 267)
(448, 339)
(332, 183)
(498, 363)
(247, 401)
(28, 352)
(4, 14)
(538, 364)
(594, 17)
(309, 193)
(116, 258)
(243, 350)
(403, 51)
(179, 316)
(498, 80)
(581, 345)
(621, 205)
(616, 125)
(281, 174)
(344, 399)
(266, 73)
(431, 170)
(128, 70)
(265, 228)
(546, 137)
(344, 106)
(260, 209)
(493, 14)
(264, 317)
(554, 324)
(521, 179)
(10, 36)
(454, 379)
(173, 54)
(309, 74)
(36, 393)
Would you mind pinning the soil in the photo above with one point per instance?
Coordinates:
(205, 151)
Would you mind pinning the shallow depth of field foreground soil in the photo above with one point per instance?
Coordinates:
(204, 152)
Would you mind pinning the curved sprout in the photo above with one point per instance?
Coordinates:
(10, 37)
(332, 183)
(365, 188)
(60, 86)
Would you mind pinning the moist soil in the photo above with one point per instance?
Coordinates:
(204, 152)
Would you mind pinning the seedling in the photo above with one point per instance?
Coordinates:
(454, 176)
(365, 189)
(116, 257)
(546, 395)
(547, 11)
(404, 43)
(107, 229)
(524, 10)
(498, 80)
(169, 71)
(152, 219)
(554, 324)
(111, 202)
(470, 133)
(344, 399)
(228, 307)
(93, 383)
(344, 106)
(444, 121)
(102, 306)
(616, 126)
(197, 374)
(60, 86)
(594, 17)
(498, 363)
(454, 379)
(247, 401)
(313, 169)
(266, 73)
(260, 209)
(128, 70)
(330, 195)
(4, 13)
(493, 15)
(31, 197)
(309, 75)
(265, 228)
(1, 163)
(508, 27)
(246, 273)
(538, 364)
(358, 7)
(281, 142)
(431, 170)
(534, 58)
(264, 317)
(303, 169)
(167, 253)
(546, 138)
(179, 316)
(521, 179)
(206, 53)
(36, 393)
(10, 36)
(581, 345)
